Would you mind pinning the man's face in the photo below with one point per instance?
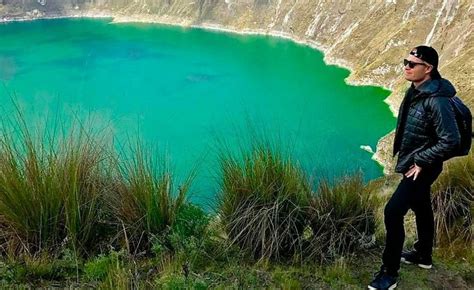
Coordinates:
(419, 72)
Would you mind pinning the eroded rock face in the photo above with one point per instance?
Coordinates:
(369, 36)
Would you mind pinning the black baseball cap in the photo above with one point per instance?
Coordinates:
(429, 55)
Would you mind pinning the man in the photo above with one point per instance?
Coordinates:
(426, 135)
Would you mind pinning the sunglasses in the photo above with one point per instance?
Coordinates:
(411, 64)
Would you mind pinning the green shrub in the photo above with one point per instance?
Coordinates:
(342, 217)
(98, 268)
(191, 221)
(190, 241)
(262, 201)
(6, 273)
(113, 271)
(197, 239)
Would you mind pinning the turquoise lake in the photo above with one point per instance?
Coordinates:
(182, 89)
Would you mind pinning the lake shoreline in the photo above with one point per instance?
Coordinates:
(174, 21)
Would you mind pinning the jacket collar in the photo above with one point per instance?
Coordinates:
(428, 87)
(436, 87)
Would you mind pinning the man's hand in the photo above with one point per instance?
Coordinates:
(413, 171)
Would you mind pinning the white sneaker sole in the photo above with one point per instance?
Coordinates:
(389, 288)
(419, 265)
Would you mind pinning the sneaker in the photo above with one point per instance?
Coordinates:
(413, 257)
(383, 280)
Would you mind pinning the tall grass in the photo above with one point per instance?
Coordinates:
(263, 201)
(85, 162)
(50, 188)
(147, 200)
(453, 202)
(66, 188)
(343, 217)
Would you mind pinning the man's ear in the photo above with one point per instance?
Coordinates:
(429, 68)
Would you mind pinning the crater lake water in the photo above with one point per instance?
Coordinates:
(182, 89)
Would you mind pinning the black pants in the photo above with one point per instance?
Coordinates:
(414, 195)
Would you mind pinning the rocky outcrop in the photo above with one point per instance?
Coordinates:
(371, 37)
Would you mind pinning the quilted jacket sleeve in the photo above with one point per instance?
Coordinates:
(448, 137)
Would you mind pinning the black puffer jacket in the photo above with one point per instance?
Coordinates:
(426, 132)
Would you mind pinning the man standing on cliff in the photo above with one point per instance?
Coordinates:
(426, 135)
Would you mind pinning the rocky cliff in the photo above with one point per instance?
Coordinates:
(370, 37)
